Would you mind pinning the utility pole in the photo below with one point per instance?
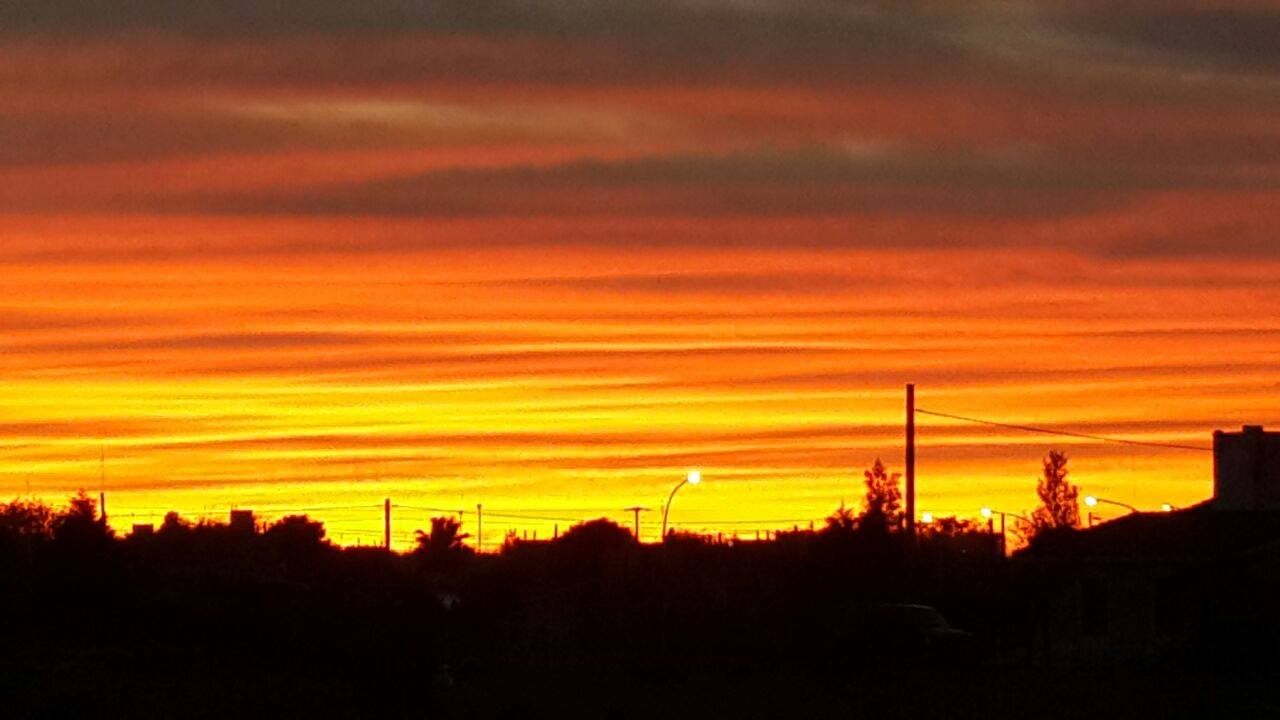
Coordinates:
(479, 527)
(386, 523)
(1003, 540)
(636, 511)
(102, 481)
(911, 460)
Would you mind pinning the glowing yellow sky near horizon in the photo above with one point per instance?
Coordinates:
(553, 274)
(573, 383)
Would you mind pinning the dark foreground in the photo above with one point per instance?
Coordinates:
(215, 621)
(176, 685)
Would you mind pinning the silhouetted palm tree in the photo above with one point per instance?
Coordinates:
(446, 537)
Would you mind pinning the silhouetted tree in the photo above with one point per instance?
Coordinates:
(842, 521)
(446, 536)
(80, 524)
(950, 526)
(883, 503)
(442, 548)
(1059, 507)
(24, 525)
(26, 518)
(601, 534)
(296, 535)
(174, 525)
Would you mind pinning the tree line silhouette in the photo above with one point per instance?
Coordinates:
(217, 613)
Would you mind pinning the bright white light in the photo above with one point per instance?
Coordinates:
(986, 512)
(1090, 500)
(1166, 507)
(694, 477)
(926, 517)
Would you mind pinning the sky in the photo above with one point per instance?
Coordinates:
(548, 256)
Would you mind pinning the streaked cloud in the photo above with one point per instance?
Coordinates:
(550, 254)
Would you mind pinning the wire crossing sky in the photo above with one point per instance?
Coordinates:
(1064, 433)
(551, 256)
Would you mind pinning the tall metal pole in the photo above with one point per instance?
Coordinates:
(911, 460)
(479, 527)
(386, 524)
(666, 509)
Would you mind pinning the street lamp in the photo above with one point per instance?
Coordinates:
(988, 513)
(1093, 500)
(693, 478)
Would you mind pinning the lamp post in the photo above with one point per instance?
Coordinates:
(693, 478)
(988, 513)
(1093, 500)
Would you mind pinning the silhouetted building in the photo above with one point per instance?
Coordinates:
(1246, 470)
(242, 522)
(1149, 582)
(143, 530)
(1152, 580)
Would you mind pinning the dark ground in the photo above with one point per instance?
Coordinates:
(113, 684)
(212, 622)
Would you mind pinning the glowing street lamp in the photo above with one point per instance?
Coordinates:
(988, 513)
(693, 478)
(1093, 500)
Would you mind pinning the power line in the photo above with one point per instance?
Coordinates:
(1064, 433)
(544, 518)
(318, 508)
(429, 509)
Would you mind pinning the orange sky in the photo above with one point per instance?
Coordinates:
(550, 262)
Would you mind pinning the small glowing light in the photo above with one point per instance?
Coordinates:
(1166, 507)
(926, 517)
(694, 477)
(986, 512)
(1090, 500)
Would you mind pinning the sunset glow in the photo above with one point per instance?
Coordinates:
(550, 264)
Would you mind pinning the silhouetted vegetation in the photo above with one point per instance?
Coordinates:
(1059, 510)
(883, 502)
(211, 616)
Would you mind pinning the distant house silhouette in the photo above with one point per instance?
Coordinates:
(242, 522)
(1194, 578)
